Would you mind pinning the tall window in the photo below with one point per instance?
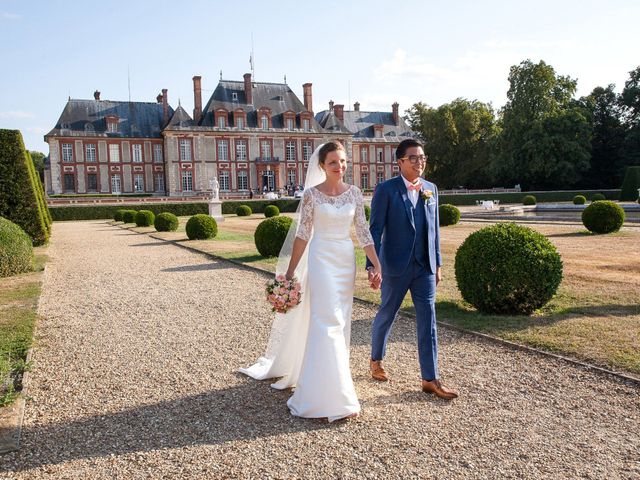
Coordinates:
(158, 181)
(67, 152)
(185, 150)
(137, 153)
(138, 182)
(116, 184)
(112, 127)
(241, 149)
(157, 153)
(240, 123)
(187, 181)
(243, 180)
(265, 149)
(223, 150)
(69, 182)
(114, 152)
(268, 180)
(222, 122)
(380, 156)
(290, 151)
(364, 155)
(364, 180)
(224, 180)
(289, 123)
(291, 177)
(307, 149)
(92, 182)
(90, 152)
(264, 120)
(380, 177)
(306, 125)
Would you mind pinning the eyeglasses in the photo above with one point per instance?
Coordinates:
(416, 158)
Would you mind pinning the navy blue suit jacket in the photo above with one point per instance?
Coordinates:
(392, 226)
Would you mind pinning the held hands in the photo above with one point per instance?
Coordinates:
(375, 277)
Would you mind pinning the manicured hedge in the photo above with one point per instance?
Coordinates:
(16, 251)
(166, 222)
(603, 216)
(21, 198)
(448, 215)
(243, 211)
(630, 184)
(145, 218)
(271, 234)
(100, 195)
(96, 212)
(258, 206)
(271, 211)
(564, 196)
(201, 227)
(579, 200)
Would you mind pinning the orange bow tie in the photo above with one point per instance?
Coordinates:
(414, 186)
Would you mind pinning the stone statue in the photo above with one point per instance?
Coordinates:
(215, 188)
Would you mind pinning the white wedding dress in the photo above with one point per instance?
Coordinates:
(309, 347)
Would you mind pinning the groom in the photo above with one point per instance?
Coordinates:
(405, 230)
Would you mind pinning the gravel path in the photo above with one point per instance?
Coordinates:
(135, 377)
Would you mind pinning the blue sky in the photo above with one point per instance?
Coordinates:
(374, 52)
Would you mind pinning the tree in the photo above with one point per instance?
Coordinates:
(38, 163)
(630, 101)
(545, 135)
(459, 139)
(603, 110)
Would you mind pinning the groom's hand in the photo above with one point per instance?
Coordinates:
(438, 275)
(374, 278)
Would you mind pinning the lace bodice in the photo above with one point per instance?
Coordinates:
(332, 216)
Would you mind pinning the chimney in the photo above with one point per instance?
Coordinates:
(356, 106)
(96, 95)
(339, 111)
(308, 97)
(165, 107)
(197, 99)
(331, 105)
(248, 94)
(396, 117)
(159, 98)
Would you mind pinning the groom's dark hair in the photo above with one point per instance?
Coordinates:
(404, 145)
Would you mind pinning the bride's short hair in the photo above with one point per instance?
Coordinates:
(330, 146)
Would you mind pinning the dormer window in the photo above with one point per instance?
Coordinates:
(239, 118)
(377, 131)
(306, 124)
(221, 122)
(240, 123)
(264, 118)
(289, 123)
(234, 96)
(88, 128)
(221, 118)
(264, 121)
(112, 124)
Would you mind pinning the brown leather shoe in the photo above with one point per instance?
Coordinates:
(377, 372)
(436, 387)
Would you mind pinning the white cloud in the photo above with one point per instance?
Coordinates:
(16, 114)
(37, 130)
(9, 16)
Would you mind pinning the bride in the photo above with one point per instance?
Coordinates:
(309, 345)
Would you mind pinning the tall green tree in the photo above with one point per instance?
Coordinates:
(603, 110)
(630, 102)
(38, 163)
(545, 135)
(459, 140)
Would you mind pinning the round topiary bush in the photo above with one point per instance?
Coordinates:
(596, 197)
(271, 211)
(129, 216)
(579, 200)
(145, 218)
(16, 249)
(166, 222)
(449, 215)
(507, 269)
(367, 212)
(243, 211)
(603, 216)
(529, 200)
(270, 235)
(201, 227)
(117, 216)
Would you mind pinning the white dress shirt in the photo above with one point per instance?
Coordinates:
(412, 194)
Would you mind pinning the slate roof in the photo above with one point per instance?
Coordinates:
(180, 118)
(361, 123)
(331, 123)
(276, 96)
(86, 118)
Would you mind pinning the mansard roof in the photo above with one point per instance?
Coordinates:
(361, 123)
(278, 97)
(331, 123)
(180, 118)
(87, 118)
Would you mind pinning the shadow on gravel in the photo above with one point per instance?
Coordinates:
(200, 267)
(150, 244)
(245, 412)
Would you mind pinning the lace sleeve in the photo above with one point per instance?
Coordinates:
(305, 225)
(362, 226)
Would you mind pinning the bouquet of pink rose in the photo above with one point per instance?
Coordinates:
(283, 294)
